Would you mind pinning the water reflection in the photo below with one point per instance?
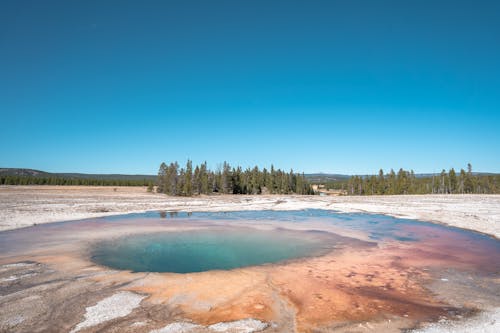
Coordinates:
(377, 226)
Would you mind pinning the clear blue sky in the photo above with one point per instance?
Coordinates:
(331, 86)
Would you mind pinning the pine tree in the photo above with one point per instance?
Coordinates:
(271, 181)
(391, 182)
(204, 179)
(452, 178)
(468, 183)
(188, 179)
(173, 179)
(162, 181)
(462, 181)
(227, 187)
(381, 182)
(197, 181)
(442, 182)
(236, 181)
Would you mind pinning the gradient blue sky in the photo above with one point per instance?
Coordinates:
(331, 86)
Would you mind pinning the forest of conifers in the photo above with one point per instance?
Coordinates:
(406, 182)
(187, 181)
(60, 180)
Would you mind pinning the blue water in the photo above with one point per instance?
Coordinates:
(227, 240)
(203, 250)
(377, 226)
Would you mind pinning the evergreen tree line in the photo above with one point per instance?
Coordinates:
(27, 180)
(405, 182)
(189, 180)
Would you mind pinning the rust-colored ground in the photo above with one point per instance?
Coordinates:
(360, 282)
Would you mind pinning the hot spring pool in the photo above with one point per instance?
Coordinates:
(314, 266)
(205, 250)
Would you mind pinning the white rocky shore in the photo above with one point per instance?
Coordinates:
(123, 303)
(485, 322)
(22, 206)
(116, 306)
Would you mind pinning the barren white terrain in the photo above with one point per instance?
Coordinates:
(22, 206)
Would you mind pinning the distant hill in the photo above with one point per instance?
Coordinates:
(315, 178)
(321, 178)
(43, 174)
(427, 175)
(326, 177)
(19, 172)
(23, 172)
